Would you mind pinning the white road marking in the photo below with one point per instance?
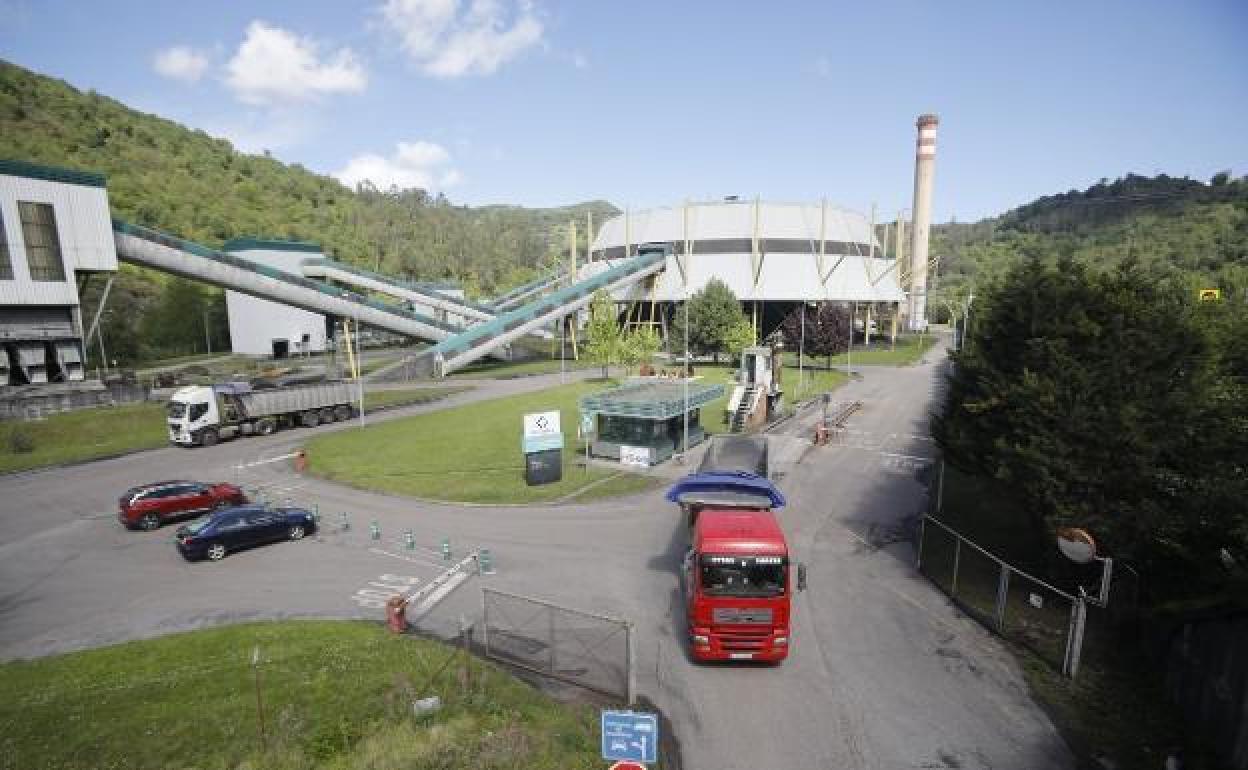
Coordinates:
(279, 458)
(412, 559)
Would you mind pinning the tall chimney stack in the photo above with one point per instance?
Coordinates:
(924, 167)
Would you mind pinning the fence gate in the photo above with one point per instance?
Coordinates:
(1018, 606)
(592, 651)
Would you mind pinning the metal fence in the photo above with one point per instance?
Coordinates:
(592, 651)
(1020, 607)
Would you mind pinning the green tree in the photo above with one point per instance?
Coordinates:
(639, 346)
(738, 337)
(711, 312)
(603, 338)
(1105, 399)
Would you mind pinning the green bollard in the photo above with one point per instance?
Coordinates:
(446, 548)
(484, 563)
(410, 539)
(374, 531)
(345, 524)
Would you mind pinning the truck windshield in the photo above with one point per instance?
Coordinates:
(176, 409)
(735, 576)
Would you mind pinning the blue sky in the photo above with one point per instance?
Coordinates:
(541, 102)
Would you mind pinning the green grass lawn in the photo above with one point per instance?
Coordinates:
(82, 435)
(909, 349)
(490, 369)
(335, 695)
(467, 454)
(408, 396)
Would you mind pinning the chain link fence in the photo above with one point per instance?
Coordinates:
(1009, 601)
(591, 651)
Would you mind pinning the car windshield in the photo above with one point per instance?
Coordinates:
(743, 576)
(176, 409)
(199, 525)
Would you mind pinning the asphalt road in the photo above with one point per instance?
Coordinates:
(885, 672)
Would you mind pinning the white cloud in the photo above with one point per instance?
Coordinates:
(275, 66)
(450, 38)
(181, 63)
(414, 164)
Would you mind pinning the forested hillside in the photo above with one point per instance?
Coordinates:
(167, 176)
(1200, 229)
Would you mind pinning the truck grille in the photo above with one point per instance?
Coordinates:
(741, 615)
(737, 640)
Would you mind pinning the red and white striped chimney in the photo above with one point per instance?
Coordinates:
(924, 167)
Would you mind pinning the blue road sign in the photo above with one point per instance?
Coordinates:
(630, 736)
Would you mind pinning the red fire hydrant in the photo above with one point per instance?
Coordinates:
(301, 461)
(396, 614)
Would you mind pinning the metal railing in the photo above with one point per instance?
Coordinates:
(592, 651)
(1009, 601)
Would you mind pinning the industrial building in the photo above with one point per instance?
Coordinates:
(772, 255)
(55, 232)
(262, 327)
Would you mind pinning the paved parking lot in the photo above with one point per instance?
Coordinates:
(885, 672)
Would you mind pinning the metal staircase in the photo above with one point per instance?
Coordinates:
(749, 399)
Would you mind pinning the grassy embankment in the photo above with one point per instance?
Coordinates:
(467, 454)
(1116, 708)
(335, 695)
(488, 369)
(89, 434)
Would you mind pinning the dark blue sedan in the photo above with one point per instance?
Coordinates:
(233, 529)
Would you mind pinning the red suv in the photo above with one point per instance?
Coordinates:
(148, 506)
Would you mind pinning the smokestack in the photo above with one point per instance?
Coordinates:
(924, 167)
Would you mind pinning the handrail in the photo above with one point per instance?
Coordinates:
(381, 278)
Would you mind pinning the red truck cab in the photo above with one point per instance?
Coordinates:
(737, 576)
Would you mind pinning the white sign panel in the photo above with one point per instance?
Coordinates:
(635, 455)
(541, 424)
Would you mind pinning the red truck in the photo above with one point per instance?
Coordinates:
(737, 575)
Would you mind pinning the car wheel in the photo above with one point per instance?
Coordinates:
(149, 522)
(296, 532)
(208, 437)
(216, 552)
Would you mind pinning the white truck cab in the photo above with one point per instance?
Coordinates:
(190, 410)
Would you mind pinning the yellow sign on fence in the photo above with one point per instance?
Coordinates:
(1210, 295)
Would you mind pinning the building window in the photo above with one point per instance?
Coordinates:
(6, 264)
(43, 247)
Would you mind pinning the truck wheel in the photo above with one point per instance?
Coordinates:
(342, 412)
(310, 419)
(327, 415)
(266, 427)
(208, 437)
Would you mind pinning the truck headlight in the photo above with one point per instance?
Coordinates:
(701, 640)
(781, 641)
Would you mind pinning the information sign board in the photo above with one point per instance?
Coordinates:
(630, 736)
(542, 432)
(635, 455)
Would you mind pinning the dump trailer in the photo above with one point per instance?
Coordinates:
(736, 573)
(201, 415)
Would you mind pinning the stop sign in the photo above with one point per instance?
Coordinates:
(626, 765)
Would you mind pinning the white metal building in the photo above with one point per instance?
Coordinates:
(54, 225)
(262, 327)
(764, 251)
